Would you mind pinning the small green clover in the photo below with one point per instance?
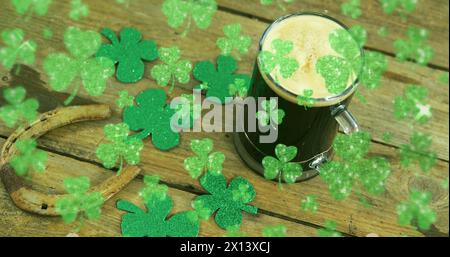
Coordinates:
(235, 231)
(278, 60)
(310, 204)
(29, 159)
(443, 78)
(173, 68)
(239, 88)
(281, 166)
(415, 47)
(94, 72)
(280, 3)
(204, 161)
(228, 202)
(219, 80)
(270, 113)
(40, 7)
(306, 99)
(329, 230)
(78, 10)
(418, 151)
(121, 148)
(16, 50)
(201, 11)
(402, 6)
(19, 110)
(153, 189)
(274, 231)
(417, 208)
(124, 100)
(352, 8)
(412, 104)
(234, 40)
(129, 53)
(79, 203)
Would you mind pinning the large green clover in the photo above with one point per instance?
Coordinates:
(418, 151)
(201, 11)
(353, 166)
(417, 207)
(234, 40)
(154, 223)
(280, 3)
(19, 110)
(281, 166)
(129, 53)
(152, 116)
(415, 47)
(352, 8)
(270, 113)
(30, 159)
(413, 105)
(269, 61)
(219, 80)
(204, 161)
(122, 147)
(40, 7)
(16, 50)
(228, 201)
(94, 72)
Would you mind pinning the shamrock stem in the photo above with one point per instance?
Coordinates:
(72, 95)
(188, 28)
(18, 70)
(121, 166)
(29, 14)
(280, 185)
(172, 86)
(80, 224)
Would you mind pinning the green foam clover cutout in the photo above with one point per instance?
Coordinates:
(122, 147)
(78, 10)
(278, 59)
(154, 223)
(306, 99)
(18, 110)
(94, 72)
(124, 100)
(199, 11)
(418, 151)
(129, 53)
(353, 166)
(412, 105)
(40, 7)
(282, 165)
(188, 110)
(310, 204)
(274, 231)
(279, 3)
(329, 230)
(402, 6)
(352, 8)
(152, 116)
(234, 41)
(15, 49)
(79, 203)
(239, 88)
(229, 201)
(219, 80)
(414, 47)
(269, 113)
(417, 208)
(29, 159)
(153, 189)
(204, 160)
(173, 69)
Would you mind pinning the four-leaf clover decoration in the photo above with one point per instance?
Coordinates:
(201, 11)
(278, 60)
(218, 80)
(306, 99)
(352, 8)
(124, 100)
(154, 223)
(173, 68)
(78, 10)
(281, 166)
(228, 201)
(129, 53)
(329, 230)
(417, 208)
(152, 116)
(234, 40)
(239, 88)
(29, 159)
(122, 147)
(94, 72)
(415, 47)
(418, 152)
(310, 204)
(18, 109)
(79, 203)
(40, 7)
(270, 113)
(274, 231)
(16, 50)
(390, 6)
(204, 161)
(280, 3)
(412, 104)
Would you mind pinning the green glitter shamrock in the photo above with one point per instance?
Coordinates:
(204, 161)
(153, 189)
(40, 7)
(201, 11)
(329, 230)
(124, 100)
(274, 231)
(359, 34)
(129, 53)
(228, 201)
(352, 8)
(353, 166)
(306, 99)
(310, 204)
(403, 6)
(188, 110)
(387, 137)
(78, 10)
(235, 231)
(281, 166)
(375, 64)
(152, 116)
(173, 68)
(270, 112)
(239, 87)
(417, 207)
(79, 203)
(218, 80)
(94, 72)
(269, 61)
(121, 148)
(443, 78)
(418, 152)
(234, 40)
(29, 159)
(415, 47)
(16, 50)
(412, 104)
(280, 3)
(18, 110)
(154, 223)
